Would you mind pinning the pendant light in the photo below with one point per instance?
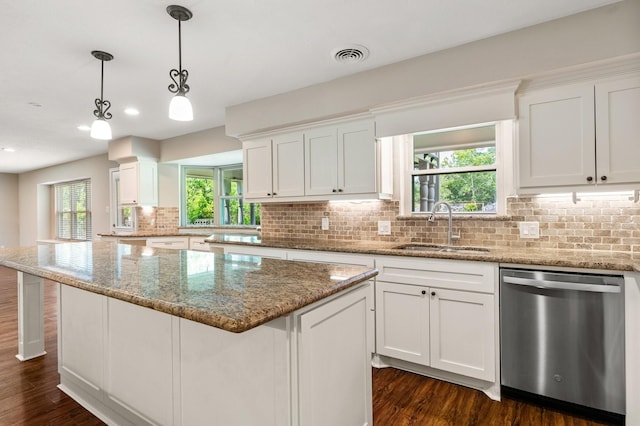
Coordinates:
(180, 107)
(100, 128)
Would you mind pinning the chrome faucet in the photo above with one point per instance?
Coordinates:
(432, 218)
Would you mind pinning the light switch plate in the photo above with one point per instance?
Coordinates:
(529, 229)
(325, 223)
(384, 227)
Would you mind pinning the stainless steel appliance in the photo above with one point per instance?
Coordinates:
(562, 337)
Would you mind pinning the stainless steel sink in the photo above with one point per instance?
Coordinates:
(439, 248)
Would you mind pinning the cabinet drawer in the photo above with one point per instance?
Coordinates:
(442, 273)
(169, 242)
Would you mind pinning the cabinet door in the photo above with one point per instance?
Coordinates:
(129, 183)
(321, 161)
(257, 168)
(557, 137)
(402, 322)
(357, 158)
(139, 361)
(147, 184)
(335, 362)
(462, 333)
(288, 165)
(81, 343)
(617, 130)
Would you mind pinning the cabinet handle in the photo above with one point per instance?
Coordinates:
(603, 178)
(424, 291)
(433, 293)
(589, 178)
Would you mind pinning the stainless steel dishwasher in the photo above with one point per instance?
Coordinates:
(562, 337)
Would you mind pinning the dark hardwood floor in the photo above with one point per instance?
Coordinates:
(29, 396)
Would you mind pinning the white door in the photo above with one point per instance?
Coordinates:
(288, 165)
(402, 322)
(462, 333)
(335, 363)
(557, 137)
(257, 168)
(321, 161)
(357, 158)
(617, 130)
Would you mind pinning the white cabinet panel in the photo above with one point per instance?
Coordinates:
(557, 137)
(288, 165)
(240, 250)
(252, 365)
(81, 344)
(402, 322)
(257, 168)
(139, 183)
(139, 361)
(357, 158)
(462, 333)
(335, 363)
(176, 243)
(321, 161)
(330, 257)
(617, 130)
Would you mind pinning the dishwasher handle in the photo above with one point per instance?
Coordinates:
(560, 285)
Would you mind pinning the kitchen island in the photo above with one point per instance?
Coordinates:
(230, 340)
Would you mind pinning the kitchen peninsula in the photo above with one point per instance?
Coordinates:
(233, 340)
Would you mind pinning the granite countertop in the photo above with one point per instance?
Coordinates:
(234, 293)
(587, 259)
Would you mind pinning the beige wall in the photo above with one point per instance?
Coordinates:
(595, 35)
(9, 231)
(34, 204)
(198, 144)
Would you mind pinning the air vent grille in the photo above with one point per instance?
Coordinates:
(351, 54)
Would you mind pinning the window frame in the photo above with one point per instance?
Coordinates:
(504, 137)
(74, 213)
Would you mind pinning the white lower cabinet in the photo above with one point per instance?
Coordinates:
(131, 365)
(242, 250)
(438, 313)
(334, 364)
(139, 361)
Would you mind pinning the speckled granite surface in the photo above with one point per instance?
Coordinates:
(234, 293)
(601, 260)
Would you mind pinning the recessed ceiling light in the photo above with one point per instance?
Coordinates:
(84, 128)
(131, 111)
(7, 149)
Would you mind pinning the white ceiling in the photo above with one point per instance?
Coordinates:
(235, 51)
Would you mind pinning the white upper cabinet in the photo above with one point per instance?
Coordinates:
(274, 167)
(139, 183)
(579, 136)
(341, 161)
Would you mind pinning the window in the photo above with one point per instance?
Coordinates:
(457, 166)
(213, 196)
(73, 210)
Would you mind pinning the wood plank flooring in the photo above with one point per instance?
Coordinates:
(29, 396)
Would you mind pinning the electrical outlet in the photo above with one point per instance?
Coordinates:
(325, 223)
(529, 229)
(384, 227)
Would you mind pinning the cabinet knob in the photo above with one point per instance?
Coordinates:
(340, 190)
(589, 178)
(424, 291)
(275, 194)
(433, 293)
(268, 194)
(603, 178)
(334, 190)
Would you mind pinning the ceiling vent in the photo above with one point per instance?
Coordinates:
(351, 54)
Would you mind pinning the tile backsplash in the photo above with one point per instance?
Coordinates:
(605, 222)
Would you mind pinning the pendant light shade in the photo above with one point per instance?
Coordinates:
(100, 129)
(180, 107)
